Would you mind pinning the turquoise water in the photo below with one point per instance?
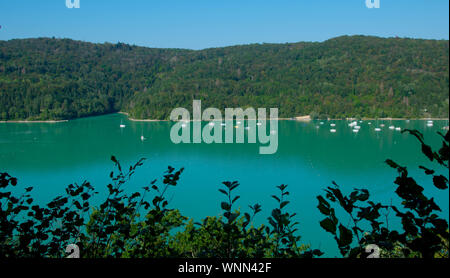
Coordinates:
(309, 158)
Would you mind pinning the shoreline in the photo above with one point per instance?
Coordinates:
(401, 119)
(34, 122)
(305, 118)
(140, 120)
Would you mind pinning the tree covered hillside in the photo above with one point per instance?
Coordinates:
(64, 79)
(343, 77)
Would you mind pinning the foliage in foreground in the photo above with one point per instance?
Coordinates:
(130, 226)
(126, 225)
(424, 233)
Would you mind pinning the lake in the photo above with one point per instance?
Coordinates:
(309, 157)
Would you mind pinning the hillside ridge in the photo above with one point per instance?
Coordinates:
(346, 76)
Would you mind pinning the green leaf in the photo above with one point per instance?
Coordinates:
(225, 206)
(235, 199)
(345, 236)
(392, 164)
(328, 225)
(440, 182)
(113, 158)
(283, 204)
(427, 171)
(427, 151)
(323, 209)
(276, 198)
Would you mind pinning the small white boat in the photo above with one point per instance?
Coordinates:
(223, 124)
(333, 130)
(211, 124)
(142, 138)
(357, 127)
(391, 127)
(352, 124)
(382, 125)
(259, 124)
(333, 125)
(247, 128)
(183, 125)
(429, 124)
(398, 128)
(369, 123)
(121, 125)
(321, 123)
(377, 129)
(238, 123)
(356, 130)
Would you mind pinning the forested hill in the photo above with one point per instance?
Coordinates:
(343, 77)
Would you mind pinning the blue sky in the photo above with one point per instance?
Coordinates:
(199, 24)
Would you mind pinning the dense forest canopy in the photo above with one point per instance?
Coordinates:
(349, 76)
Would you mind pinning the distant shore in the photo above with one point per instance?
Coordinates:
(34, 122)
(400, 119)
(305, 118)
(140, 120)
(190, 120)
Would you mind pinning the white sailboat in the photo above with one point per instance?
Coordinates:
(391, 127)
(352, 124)
(121, 124)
